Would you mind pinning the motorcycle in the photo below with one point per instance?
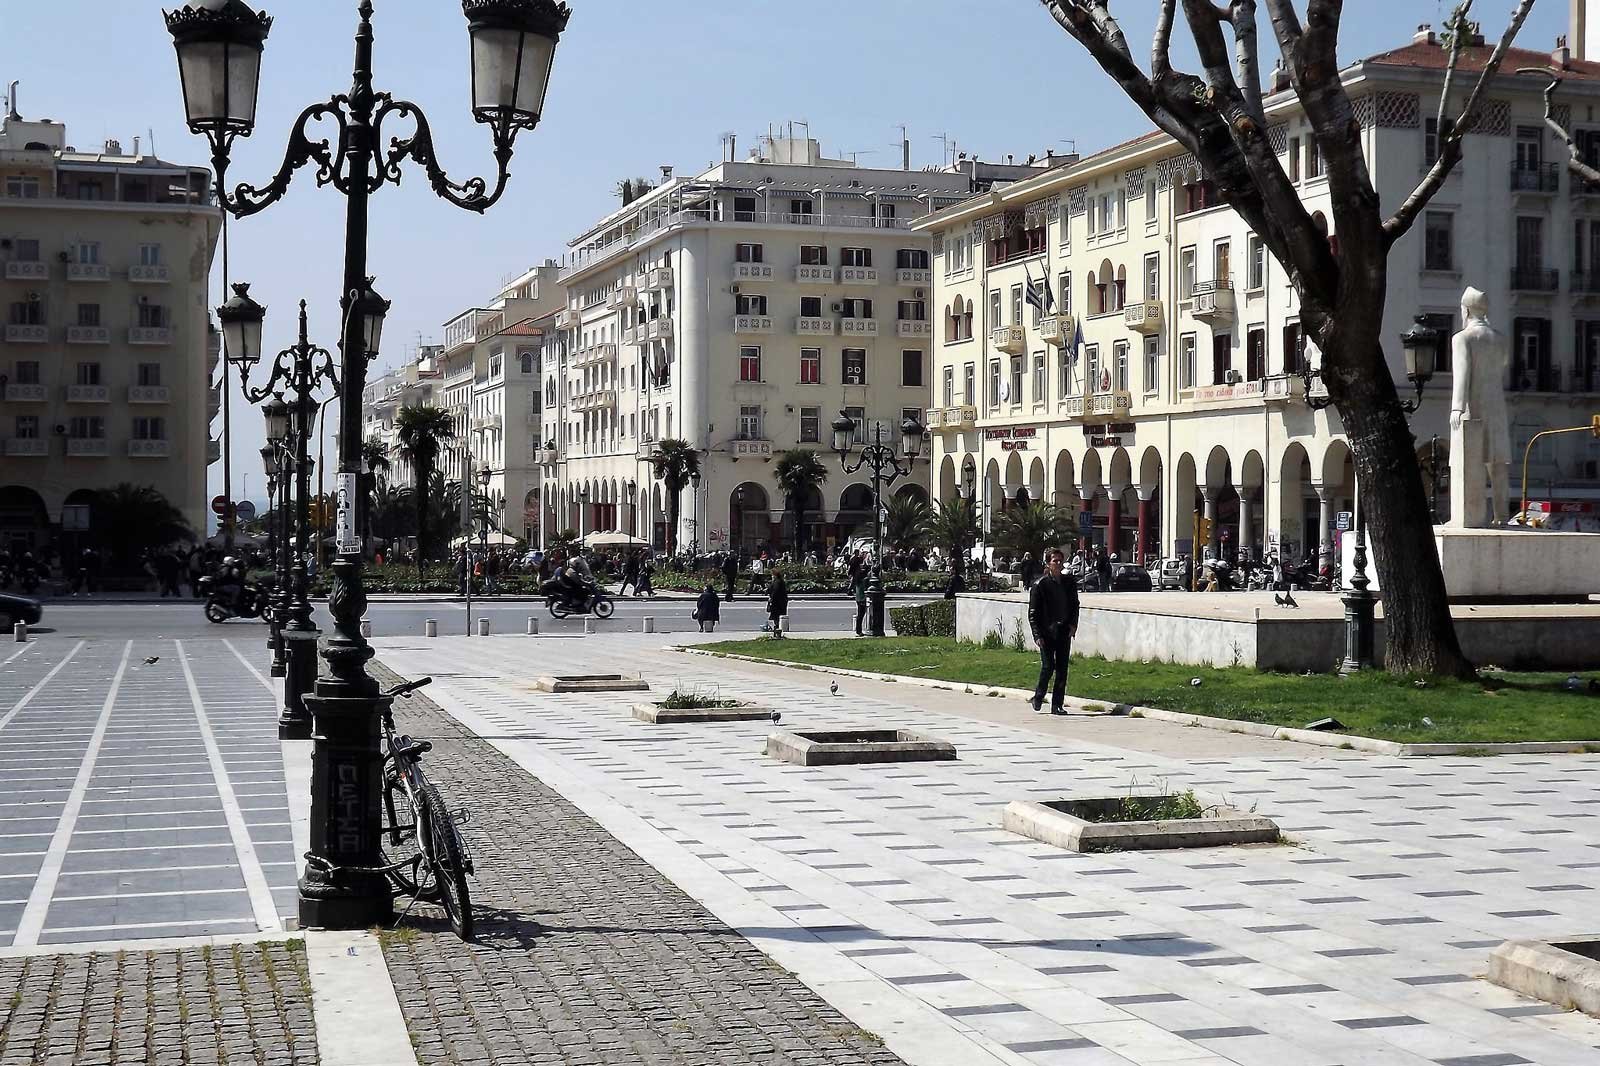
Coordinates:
(254, 602)
(562, 602)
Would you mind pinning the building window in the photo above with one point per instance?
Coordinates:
(1438, 245)
(1152, 276)
(913, 310)
(1532, 364)
(1313, 159)
(911, 368)
(1221, 357)
(994, 383)
(149, 255)
(853, 362)
(1091, 359)
(28, 427)
(1152, 364)
(25, 250)
(87, 427)
(88, 314)
(1200, 194)
(1445, 323)
(1040, 386)
(750, 363)
(810, 307)
(750, 423)
(1064, 357)
(1016, 305)
(911, 259)
(1016, 379)
(28, 372)
(810, 424)
(810, 366)
(969, 384)
(857, 308)
(152, 316)
(1119, 351)
(1186, 352)
(1064, 293)
(1257, 250)
(1149, 198)
(149, 375)
(1187, 265)
(949, 386)
(150, 428)
(813, 254)
(89, 253)
(20, 188)
(1255, 353)
(744, 208)
(802, 211)
(1294, 348)
(88, 373)
(750, 253)
(855, 257)
(751, 304)
(994, 309)
(1222, 264)
(1432, 141)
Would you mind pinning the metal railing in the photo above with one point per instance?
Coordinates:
(1535, 177)
(1535, 279)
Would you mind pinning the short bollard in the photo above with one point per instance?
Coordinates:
(366, 627)
(588, 627)
(483, 627)
(783, 623)
(430, 628)
(649, 625)
(533, 626)
(20, 631)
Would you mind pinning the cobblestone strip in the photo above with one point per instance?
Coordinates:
(585, 953)
(223, 1006)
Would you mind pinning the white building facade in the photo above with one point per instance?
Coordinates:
(741, 310)
(1186, 396)
(107, 353)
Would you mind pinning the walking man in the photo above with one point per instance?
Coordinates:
(1053, 616)
(730, 572)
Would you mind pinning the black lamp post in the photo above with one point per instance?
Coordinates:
(886, 469)
(1437, 467)
(1421, 346)
(483, 502)
(583, 513)
(219, 45)
(274, 518)
(276, 415)
(632, 489)
(298, 371)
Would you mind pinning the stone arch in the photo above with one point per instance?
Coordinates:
(992, 490)
(1150, 500)
(855, 509)
(1185, 502)
(1120, 469)
(1036, 479)
(24, 519)
(1219, 469)
(1013, 480)
(1252, 477)
(1298, 509)
(912, 491)
(1119, 291)
(1332, 466)
(1090, 479)
(1150, 464)
(948, 479)
(749, 524)
(1066, 493)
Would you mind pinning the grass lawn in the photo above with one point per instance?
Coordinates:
(1502, 708)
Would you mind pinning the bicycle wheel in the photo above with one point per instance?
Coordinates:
(399, 842)
(450, 862)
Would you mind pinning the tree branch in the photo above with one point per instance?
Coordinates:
(1575, 161)
(1459, 31)
(1450, 147)
(1161, 48)
(1285, 24)
(1242, 15)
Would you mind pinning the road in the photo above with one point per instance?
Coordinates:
(180, 619)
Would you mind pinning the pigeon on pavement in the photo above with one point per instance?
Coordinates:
(833, 688)
(1286, 600)
(152, 660)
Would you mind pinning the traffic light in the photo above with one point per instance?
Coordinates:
(1202, 532)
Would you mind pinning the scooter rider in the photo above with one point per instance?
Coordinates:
(230, 581)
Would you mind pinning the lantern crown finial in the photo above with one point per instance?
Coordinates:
(230, 20)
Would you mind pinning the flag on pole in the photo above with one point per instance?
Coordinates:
(1038, 293)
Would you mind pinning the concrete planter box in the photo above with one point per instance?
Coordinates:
(1063, 824)
(591, 683)
(847, 746)
(656, 714)
(1563, 972)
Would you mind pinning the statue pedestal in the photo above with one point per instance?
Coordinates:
(1468, 499)
(1506, 564)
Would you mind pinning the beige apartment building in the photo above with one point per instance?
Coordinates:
(741, 309)
(1167, 379)
(108, 357)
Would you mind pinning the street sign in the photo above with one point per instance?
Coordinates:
(1086, 522)
(219, 505)
(1345, 520)
(345, 530)
(75, 518)
(245, 510)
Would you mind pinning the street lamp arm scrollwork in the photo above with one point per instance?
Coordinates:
(247, 199)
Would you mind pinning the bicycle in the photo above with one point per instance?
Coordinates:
(420, 831)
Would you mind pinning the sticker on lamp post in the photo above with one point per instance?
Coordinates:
(345, 529)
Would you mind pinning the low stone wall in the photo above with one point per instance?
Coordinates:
(1555, 638)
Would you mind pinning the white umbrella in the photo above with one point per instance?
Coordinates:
(496, 540)
(611, 540)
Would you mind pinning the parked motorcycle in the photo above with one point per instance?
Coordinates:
(254, 601)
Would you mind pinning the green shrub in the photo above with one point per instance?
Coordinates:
(940, 618)
(909, 621)
(993, 641)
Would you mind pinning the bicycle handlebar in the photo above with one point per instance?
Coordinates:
(404, 691)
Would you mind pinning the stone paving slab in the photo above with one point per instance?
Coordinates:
(195, 1006)
(585, 954)
(896, 893)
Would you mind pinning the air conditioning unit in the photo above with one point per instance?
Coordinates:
(734, 289)
(1232, 377)
(921, 294)
(64, 257)
(838, 309)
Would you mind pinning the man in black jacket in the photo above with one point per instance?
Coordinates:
(1053, 616)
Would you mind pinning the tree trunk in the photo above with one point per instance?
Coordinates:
(422, 520)
(673, 504)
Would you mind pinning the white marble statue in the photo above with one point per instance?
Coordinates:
(1480, 436)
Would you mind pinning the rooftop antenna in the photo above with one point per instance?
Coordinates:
(11, 103)
(944, 140)
(803, 124)
(858, 152)
(905, 147)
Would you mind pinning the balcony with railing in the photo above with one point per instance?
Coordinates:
(88, 447)
(1535, 177)
(1114, 404)
(809, 326)
(1284, 388)
(961, 416)
(858, 327)
(88, 394)
(625, 296)
(750, 448)
(27, 333)
(752, 271)
(1056, 329)
(752, 324)
(149, 335)
(594, 355)
(813, 274)
(144, 394)
(658, 329)
(33, 447)
(469, 328)
(88, 272)
(26, 393)
(594, 400)
(849, 275)
(567, 318)
(913, 329)
(156, 274)
(658, 279)
(88, 335)
(1010, 339)
(149, 449)
(27, 270)
(1534, 279)
(909, 277)
(1584, 282)
(1214, 301)
(546, 456)
(1143, 317)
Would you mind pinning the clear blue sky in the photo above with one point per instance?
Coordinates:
(636, 85)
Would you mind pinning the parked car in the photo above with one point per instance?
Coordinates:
(1125, 577)
(1172, 574)
(14, 609)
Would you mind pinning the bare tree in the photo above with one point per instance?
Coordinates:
(1220, 118)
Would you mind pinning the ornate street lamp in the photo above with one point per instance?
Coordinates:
(886, 469)
(1421, 346)
(274, 516)
(483, 501)
(275, 414)
(297, 371)
(219, 46)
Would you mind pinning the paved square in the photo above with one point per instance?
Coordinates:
(893, 891)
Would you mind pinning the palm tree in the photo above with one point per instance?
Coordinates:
(907, 524)
(388, 513)
(675, 463)
(954, 528)
(799, 473)
(1033, 527)
(374, 461)
(130, 520)
(421, 432)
